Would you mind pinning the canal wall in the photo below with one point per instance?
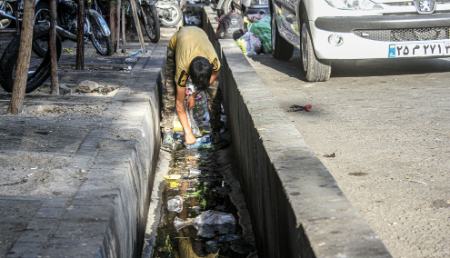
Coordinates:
(296, 206)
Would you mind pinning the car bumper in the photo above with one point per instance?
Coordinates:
(370, 37)
(378, 22)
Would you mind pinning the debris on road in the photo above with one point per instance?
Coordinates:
(332, 155)
(298, 108)
(357, 174)
(87, 86)
(95, 87)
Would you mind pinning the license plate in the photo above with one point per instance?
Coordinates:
(419, 49)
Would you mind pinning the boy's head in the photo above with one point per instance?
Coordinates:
(200, 72)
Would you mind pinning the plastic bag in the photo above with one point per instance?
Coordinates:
(192, 123)
(173, 181)
(249, 44)
(201, 113)
(209, 224)
(190, 89)
(203, 142)
(262, 29)
(175, 204)
(194, 172)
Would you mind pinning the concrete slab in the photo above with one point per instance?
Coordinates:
(76, 171)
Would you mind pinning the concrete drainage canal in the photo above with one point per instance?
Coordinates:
(201, 210)
(203, 213)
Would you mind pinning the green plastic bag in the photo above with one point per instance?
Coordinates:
(262, 30)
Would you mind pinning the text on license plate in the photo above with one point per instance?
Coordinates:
(419, 49)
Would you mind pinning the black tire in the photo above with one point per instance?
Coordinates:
(315, 70)
(101, 42)
(9, 58)
(42, 12)
(150, 22)
(281, 49)
(175, 19)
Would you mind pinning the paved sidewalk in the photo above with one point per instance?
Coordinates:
(76, 170)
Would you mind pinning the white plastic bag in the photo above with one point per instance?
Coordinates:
(209, 223)
(175, 204)
(190, 89)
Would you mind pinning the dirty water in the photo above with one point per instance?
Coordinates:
(204, 213)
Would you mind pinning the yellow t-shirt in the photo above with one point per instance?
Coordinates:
(189, 43)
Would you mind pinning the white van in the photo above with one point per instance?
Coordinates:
(327, 30)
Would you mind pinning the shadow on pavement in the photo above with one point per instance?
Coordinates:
(290, 68)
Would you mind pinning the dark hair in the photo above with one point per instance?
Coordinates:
(200, 72)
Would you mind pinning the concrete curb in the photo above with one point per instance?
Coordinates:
(156, 205)
(297, 209)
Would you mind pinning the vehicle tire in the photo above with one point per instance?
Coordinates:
(9, 58)
(101, 40)
(150, 22)
(7, 8)
(281, 49)
(42, 13)
(314, 69)
(175, 14)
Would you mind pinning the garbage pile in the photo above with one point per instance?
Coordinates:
(252, 34)
(201, 217)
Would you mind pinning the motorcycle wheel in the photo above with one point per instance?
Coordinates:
(42, 14)
(174, 16)
(150, 22)
(102, 42)
(7, 8)
(39, 70)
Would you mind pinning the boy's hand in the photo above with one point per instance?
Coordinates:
(190, 139)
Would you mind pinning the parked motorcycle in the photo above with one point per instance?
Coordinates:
(39, 69)
(6, 7)
(96, 28)
(169, 12)
(148, 17)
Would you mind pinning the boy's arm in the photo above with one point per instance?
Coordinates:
(189, 137)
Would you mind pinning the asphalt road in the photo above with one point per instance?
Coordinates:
(383, 131)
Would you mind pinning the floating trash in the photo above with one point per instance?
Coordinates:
(209, 223)
(203, 142)
(193, 173)
(202, 219)
(173, 180)
(175, 204)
